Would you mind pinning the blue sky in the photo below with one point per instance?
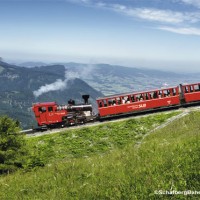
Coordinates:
(162, 34)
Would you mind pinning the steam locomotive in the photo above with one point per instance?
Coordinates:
(50, 114)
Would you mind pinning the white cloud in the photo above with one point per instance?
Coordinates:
(79, 1)
(150, 14)
(157, 15)
(100, 4)
(195, 3)
(184, 31)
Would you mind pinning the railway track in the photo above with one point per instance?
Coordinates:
(185, 111)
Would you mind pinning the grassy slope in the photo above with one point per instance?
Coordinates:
(166, 159)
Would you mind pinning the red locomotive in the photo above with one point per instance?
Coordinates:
(51, 114)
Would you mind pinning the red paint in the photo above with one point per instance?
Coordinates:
(128, 103)
(191, 92)
(48, 113)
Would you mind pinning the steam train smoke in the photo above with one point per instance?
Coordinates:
(57, 85)
(62, 84)
(165, 84)
(87, 71)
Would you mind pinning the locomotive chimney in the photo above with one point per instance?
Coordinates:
(71, 102)
(86, 97)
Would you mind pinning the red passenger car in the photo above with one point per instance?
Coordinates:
(138, 101)
(191, 92)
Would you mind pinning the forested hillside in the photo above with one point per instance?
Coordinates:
(17, 86)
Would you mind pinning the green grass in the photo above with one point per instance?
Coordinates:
(94, 140)
(116, 167)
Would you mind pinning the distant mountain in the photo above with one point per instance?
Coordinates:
(112, 79)
(32, 64)
(17, 85)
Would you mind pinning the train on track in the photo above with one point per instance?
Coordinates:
(50, 114)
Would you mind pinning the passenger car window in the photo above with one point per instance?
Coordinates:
(160, 94)
(174, 91)
(105, 103)
(100, 104)
(118, 100)
(196, 88)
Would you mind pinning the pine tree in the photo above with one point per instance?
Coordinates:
(11, 145)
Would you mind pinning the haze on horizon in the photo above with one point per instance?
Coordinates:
(156, 34)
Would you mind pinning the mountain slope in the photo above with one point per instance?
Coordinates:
(104, 162)
(17, 85)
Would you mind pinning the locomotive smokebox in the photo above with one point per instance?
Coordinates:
(86, 97)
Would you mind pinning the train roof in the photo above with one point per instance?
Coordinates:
(187, 84)
(45, 104)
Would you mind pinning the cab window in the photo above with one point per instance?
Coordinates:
(50, 109)
(42, 109)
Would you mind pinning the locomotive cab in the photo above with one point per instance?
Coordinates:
(48, 114)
